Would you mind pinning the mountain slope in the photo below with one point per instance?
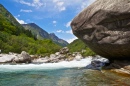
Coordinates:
(77, 46)
(10, 25)
(8, 21)
(57, 40)
(42, 34)
(36, 30)
(14, 38)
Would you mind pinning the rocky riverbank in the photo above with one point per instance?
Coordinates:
(118, 66)
(24, 57)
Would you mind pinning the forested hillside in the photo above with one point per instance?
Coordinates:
(14, 38)
(78, 46)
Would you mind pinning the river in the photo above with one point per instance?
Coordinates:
(72, 73)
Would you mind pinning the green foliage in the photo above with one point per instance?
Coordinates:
(88, 52)
(14, 38)
(77, 46)
(9, 24)
(12, 43)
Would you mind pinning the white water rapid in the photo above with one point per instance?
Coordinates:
(87, 62)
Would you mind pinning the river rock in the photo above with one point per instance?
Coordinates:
(105, 27)
(40, 60)
(57, 53)
(5, 58)
(119, 66)
(78, 57)
(64, 50)
(34, 57)
(24, 57)
(52, 56)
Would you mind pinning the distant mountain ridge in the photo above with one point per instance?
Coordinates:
(15, 38)
(42, 34)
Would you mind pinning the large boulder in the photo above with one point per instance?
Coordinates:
(24, 57)
(105, 27)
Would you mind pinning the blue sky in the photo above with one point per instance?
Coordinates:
(54, 16)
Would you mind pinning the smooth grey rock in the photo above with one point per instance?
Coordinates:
(23, 58)
(5, 58)
(105, 27)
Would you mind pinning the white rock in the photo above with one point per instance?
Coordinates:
(57, 53)
(52, 56)
(64, 50)
(78, 57)
(40, 60)
(6, 58)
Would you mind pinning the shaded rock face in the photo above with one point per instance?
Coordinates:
(105, 27)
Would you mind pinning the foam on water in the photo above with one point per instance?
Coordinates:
(46, 66)
(59, 65)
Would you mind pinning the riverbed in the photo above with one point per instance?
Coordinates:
(73, 73)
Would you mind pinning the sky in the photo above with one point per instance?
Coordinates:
(54, 16)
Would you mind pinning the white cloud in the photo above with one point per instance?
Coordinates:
(56, 5)
(37, 3)
(71, 40)
(62, 9)
(55, 0)
(28, 11)
(83, 5)
(60, 31)
(17, 15)
(68, 24)
(25, 3)
(54, 22)
(69, 32)
(59, 5)
(20, 21)
(34, 3)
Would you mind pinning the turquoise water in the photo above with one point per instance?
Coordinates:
(61, 77)
(58, 77)
(72, 73)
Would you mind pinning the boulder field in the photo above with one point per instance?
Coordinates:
(105, 27)
(24, 57)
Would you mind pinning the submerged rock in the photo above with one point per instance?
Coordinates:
(97, 62)
(120, 67)
(105, 27)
